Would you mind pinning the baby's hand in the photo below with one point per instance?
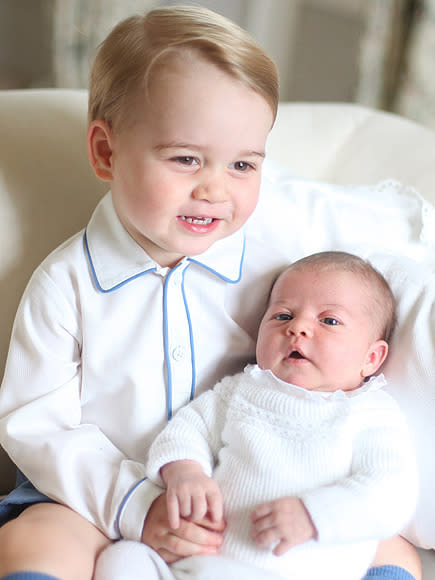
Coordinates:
(190, 493)
(190, 539)
(286, 521)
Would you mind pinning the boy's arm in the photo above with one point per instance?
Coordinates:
(41, 423)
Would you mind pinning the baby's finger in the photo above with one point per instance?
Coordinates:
(261, 511)
(266, 537)
(185, 504)
(263, 523)
(199, 507)
(173, 509)
(282, 547)
(215, 506)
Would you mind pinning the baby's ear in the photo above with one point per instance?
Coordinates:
(376, 355)
(99, 146)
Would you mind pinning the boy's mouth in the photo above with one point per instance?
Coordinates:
(201, 221)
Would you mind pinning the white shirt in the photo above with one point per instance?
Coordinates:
(106, 343)
(347, 455)
(91, 378)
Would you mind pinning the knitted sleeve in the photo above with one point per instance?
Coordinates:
(377, 498)
(193, 433)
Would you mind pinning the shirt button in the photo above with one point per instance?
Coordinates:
(178, 353)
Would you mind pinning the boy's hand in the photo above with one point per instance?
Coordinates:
(286, 521)
(190, 493)
(189, 539)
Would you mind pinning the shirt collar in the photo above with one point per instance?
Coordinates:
(116, 259)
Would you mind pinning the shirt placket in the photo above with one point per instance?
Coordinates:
(178, 340)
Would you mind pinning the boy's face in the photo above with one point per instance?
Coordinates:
(318, 333)
(185, 170)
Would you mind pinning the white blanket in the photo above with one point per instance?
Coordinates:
(127, 560)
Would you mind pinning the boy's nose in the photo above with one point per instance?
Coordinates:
(213, 190)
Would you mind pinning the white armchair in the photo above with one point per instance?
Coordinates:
(47, 189)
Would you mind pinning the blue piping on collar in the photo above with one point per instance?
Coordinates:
(221, 276)
(94, 274)
(126, 281)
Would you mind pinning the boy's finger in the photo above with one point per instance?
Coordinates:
(209, 524)
(199, 534)
(175, 547)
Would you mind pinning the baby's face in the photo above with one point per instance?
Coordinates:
(186, 169)
(317, 332)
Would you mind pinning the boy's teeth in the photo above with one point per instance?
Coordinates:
(197, 220)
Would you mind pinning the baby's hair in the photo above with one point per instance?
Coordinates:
(126, 58)
(383, 304)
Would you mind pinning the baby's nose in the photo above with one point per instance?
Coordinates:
(299, 327)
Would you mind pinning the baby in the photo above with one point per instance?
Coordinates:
(310, 457)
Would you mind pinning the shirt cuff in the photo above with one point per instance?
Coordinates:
(134, 508)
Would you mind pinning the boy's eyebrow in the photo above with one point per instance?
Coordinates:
(181, 145)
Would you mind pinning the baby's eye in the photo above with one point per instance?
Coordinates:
(186, 160)
(283, 316)
(330, 321)
(242, 166)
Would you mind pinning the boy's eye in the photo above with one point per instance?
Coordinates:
(330, 321)
(283, 316)
(186, 160)
(242, 166)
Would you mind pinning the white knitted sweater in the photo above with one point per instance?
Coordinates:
(346, 455)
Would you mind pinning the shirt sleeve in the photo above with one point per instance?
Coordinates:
(41, 427)
(378, 497)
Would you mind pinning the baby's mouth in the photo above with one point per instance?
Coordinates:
(296, 355)
(201, 221)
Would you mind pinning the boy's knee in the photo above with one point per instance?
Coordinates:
(399, 552)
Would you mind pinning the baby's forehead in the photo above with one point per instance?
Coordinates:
(338, 285)
(321, 272)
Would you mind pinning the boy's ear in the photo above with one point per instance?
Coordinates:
(376, 355)
(99, 143)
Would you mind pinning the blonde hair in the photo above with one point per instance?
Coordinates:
(127, 56)
(382, 303)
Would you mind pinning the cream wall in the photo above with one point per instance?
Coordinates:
(315, 42)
